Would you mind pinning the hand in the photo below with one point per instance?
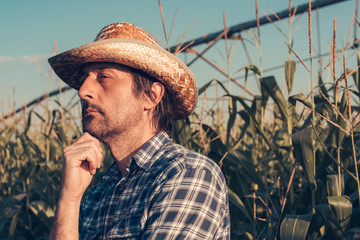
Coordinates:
(81, 159)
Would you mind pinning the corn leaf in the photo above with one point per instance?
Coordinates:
(335, 185)
(301, 98)
(182, 132)
(336, 135)
(28, 122)
(215, 142)
(255, 123)
(342, 209)
(252, 68)
(248, 167)
(295, 227)
(304, 152)
(42, 211)
(256, 107)
(40, 206)
(264, 97)
(203, 88)
(245, 117)
(291, 115)
(331, 221)
(353, 74)
(14, 221)
(353, 234)
(231, 121)
(234, 199)
(61, 136)
(290, 67)
(269, 85)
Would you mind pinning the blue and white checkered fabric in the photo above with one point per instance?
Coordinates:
(169, 193)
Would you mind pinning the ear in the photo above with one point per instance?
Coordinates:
(157, 92)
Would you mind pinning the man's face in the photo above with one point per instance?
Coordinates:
(109, 107)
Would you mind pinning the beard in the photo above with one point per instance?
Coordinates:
(107, 126)
(97, 126)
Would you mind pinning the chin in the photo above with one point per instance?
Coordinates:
(99, 131)
(89, 126)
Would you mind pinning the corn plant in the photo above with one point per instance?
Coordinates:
(31, 159)
(297, 176)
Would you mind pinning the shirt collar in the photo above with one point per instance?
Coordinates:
(112, 173)
(146, 156)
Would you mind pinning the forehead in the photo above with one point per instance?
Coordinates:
(96, 66)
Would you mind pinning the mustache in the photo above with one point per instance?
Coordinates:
(87, 105)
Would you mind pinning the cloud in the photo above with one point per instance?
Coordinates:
(6, 59)
(23, 59)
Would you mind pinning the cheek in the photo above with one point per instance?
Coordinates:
(120, 100)
(118, 103)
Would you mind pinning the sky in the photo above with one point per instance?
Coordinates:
(31, 30)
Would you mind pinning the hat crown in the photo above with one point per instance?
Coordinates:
(125, 30)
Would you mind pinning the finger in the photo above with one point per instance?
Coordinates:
(75, 156)
(98, 150)
(86, 148)
(99, 155)
(94, 160)
(81, 146)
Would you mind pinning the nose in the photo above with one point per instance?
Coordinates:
(87, 91)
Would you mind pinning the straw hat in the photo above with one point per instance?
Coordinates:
(129, 45)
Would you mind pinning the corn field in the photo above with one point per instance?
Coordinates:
(291, 161)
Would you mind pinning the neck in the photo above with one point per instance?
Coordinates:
(124, 146)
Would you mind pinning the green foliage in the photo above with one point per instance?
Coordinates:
(289, 178)
(30, 169)
(286, 178)
(31, 156)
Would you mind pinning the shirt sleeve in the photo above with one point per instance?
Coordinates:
(191, 204)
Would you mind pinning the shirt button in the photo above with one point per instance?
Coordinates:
(110, 222)
(121, 188)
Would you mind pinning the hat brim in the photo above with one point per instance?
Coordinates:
(146, 57)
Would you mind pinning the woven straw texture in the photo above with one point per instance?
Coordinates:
(127, 44)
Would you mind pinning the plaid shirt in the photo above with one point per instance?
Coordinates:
(168, 193)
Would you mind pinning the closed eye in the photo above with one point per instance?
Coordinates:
(102, 77)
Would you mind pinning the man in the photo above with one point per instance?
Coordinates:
(131, 90)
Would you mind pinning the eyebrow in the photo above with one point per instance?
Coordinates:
(92, 67)
(87, 68)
